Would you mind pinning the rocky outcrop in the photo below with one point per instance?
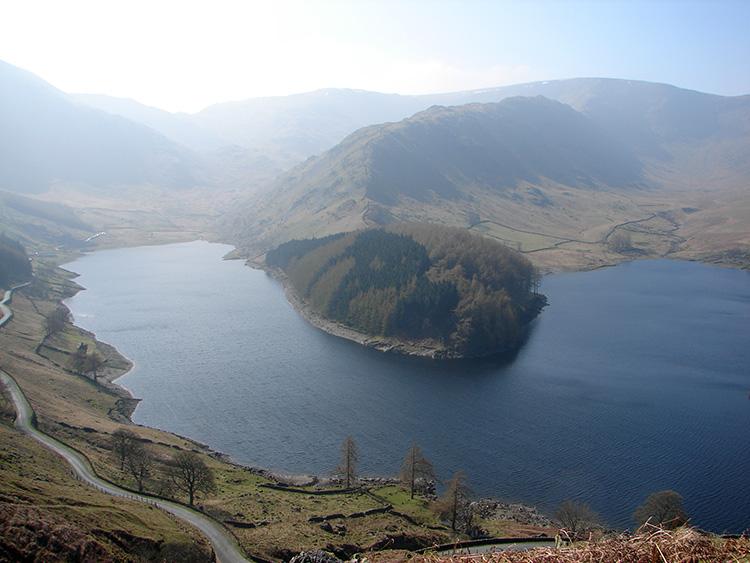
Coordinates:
(316, 556)
(519, 513)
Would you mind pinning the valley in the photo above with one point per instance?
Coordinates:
(575, 175)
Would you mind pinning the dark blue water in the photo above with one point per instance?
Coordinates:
(635, 379)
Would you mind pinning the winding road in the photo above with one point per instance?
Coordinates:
(224, 547)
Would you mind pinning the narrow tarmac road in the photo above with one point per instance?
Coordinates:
(223, 545)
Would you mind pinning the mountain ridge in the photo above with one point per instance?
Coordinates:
(47, 138)
(523, 166)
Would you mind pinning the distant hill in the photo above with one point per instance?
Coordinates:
(428, 288)
(662, 167)
(177, 127)
(40, 224)
(534, 172)
(304, 125)
(47, 138)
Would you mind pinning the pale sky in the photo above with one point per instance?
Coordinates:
(184, 55)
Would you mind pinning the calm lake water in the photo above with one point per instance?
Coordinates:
(635, 379)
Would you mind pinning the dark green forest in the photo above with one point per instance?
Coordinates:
(426, 283)
(14, 263)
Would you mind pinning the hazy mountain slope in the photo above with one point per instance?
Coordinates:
(303, 125)
(40, 224)
(45, 138)
(270, 135)
(447, 156)
(176, 126)
(495, 147)
(530, 171)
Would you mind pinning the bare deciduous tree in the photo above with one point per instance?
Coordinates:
(576, 517)
(122, 442)
(77, 360)
(620, 241)
(661, 509)
(454, 505)
(191, 475)
(348, 468)
(55, 321)
(94, 362)
(140, 462)
(416, 467)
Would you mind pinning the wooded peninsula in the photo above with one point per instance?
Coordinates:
(439, 288)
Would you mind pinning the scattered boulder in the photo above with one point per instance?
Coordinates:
(316, 556)
(519, 513)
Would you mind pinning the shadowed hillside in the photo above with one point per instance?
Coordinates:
(638, 160)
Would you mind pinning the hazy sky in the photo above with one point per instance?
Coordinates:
(184, 55)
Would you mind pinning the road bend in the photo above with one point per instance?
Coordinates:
(224, 547)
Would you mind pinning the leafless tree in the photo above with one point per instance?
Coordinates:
(140, 462)
(620, 241)
(661, 509)
(77, 360)
(416, 467)
(191, 475)
(348, 468)
(94, 362)
(576, 517)
(122, 442)
(454, 505)
(55, 321)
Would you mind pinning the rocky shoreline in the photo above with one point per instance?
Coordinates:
(118, 365)
(336, 329)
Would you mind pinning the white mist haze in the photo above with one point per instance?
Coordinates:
(187, 55)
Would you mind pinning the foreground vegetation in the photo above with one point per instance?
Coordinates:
(462, 294)
(649, 546)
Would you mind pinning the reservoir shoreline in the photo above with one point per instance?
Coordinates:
(290, 393)
(523, 514)
(380, 343)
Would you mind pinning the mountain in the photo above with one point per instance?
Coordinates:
(304, 125)
(606, 161)
(175, 126)
(39, 225)
(539, 174)
(47, 138)
(261, 138)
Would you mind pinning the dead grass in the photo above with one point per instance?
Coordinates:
(684, 545)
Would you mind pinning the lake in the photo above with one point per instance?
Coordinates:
(634, 379)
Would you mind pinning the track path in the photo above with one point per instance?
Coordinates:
(223, 545)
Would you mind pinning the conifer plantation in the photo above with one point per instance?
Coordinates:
(465, 294)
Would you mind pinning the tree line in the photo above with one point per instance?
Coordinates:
(186, 473)
(663, 509)
(465, 293)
